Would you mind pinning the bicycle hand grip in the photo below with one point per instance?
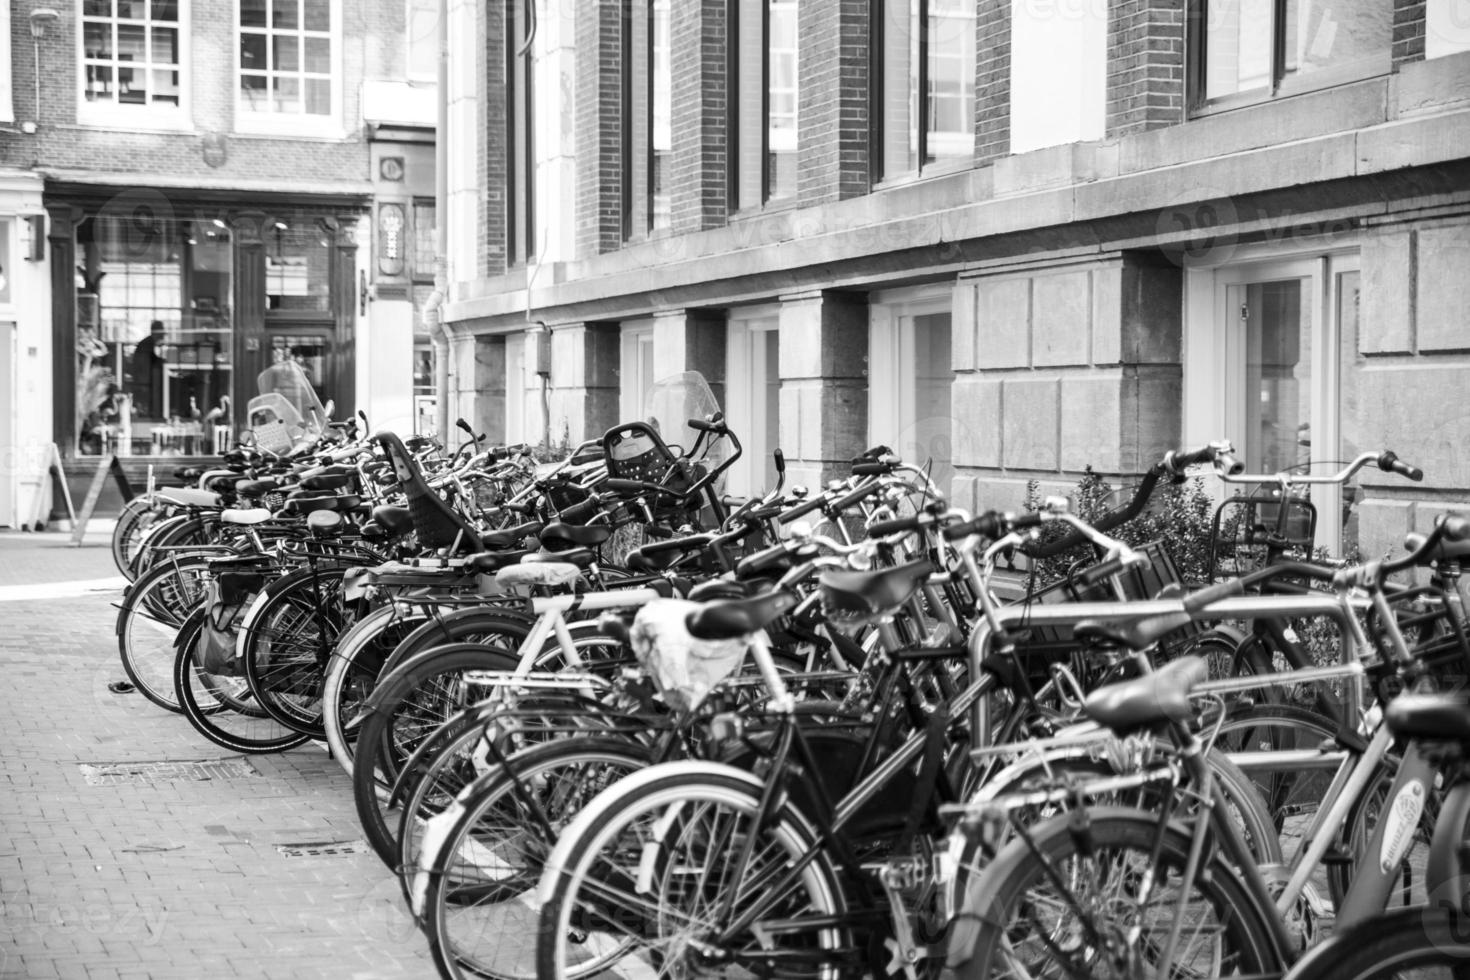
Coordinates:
(702, 425)
(872, 469)
(1389, 462)
(1196, 601)
(1454, 528)
(581, 511)
(1100, 572)
(988, 525)
(898, 525)
(617, 485)
(803, 509)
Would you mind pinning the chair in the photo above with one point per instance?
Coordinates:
(436, 523)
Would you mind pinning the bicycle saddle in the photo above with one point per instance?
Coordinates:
(1148, 700)
(257, 488)
(729, 619)
(851, 595)
(559, 535)
(188, 497)
(510, 537)
(1135, 634)
(327, 481)
(494, 561)
(1440, 717)
(394, 520)
(245, 516)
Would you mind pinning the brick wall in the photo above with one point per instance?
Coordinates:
(493, 160)
(698, 173)
(992, 80)
(373, 40)
(833, 79)
(1408, 31)
(599, 117)
(1145, 65)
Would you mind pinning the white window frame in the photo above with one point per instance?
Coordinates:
(747, 373)
(432, 75)
(634, 382)
(892, 379)
(7, 105)
(271, 123)
(1214, 361)
(108, 115)
(515, 389)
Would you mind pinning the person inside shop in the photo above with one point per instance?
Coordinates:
(147, 370)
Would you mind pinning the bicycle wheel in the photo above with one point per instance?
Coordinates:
(286, 640)
(1418, 943)
(221, 708)
(468, 625)
(475, 894)
(1067, 903)
(176, 534)
(148, 621)
(133, 521)
(647, 873)
(408, 706)
(357, 660)
(1293, 796)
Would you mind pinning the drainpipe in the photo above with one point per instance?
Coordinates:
(438, 332)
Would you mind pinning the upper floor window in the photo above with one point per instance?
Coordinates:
(781, 106)
(661, 130)
(927, 73)
(423, 40)
(764, 66)
(1248, 50)
(288, 60)
(520, 115)
(130, 56)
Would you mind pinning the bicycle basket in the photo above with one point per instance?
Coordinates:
(1431, 629)
(1248, 527)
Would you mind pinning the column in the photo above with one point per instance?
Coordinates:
(824, 384)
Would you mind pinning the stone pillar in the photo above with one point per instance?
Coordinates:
(1061, 368)
(691, 340)
(824, 384)
(584, 381)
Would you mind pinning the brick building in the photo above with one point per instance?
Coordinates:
(1018, 237)
(256, 176)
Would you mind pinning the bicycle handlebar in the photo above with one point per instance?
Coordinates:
(1387, 461)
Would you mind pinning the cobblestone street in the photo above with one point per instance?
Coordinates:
(130, 846)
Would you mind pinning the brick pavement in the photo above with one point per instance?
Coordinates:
(174, 875)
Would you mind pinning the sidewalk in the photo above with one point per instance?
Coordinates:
(170, 869)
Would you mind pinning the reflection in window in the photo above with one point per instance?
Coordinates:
(424, 243)
(298, 268)
(286, 56)
(1337, 40)
(660, 134)
(928, 69)
(423, 39)
(781, 76)
(154, 334)
(130, 52)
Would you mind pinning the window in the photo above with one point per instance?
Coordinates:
(425, 245)
(130, 56)
(1270, 351)
(423, 40)
(764, 66)
(1246, 50)
(910, 378)
(288, 60)
(753, 392)
(298, 268)
(660, 132)
(520, 95)
(635, 370)
(7, 108)
(927, 77)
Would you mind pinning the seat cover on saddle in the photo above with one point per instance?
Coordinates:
(728, 619)
(1440, 717)
(557, 536)
(1152, 699)
(685, 667)
(580, 557)
(188, 497)
(545, 573)
(245, 516)
(866, 595)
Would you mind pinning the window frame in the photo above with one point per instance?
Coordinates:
(892, 376)
(7, 77)
(421, 275)
(272, 123)
(144, 117)
(520, 142)
(633, 335)
(746, 330)
(748, 129)
(1214, 381)
(878, 133)
(653, 227)
(1196, 19)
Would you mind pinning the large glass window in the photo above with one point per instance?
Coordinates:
(660, 132)
(520, 102)
(298, 268)
(154, 334)
(130, 53)
(781, 99)
(928, 83)
(1256, 48)
(764, 68)
(286, 57)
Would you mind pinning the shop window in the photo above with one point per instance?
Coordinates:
(1250, 50)
(154, 334)
(298, 268)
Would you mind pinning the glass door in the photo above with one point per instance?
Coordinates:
(753, 397)
(910, 377)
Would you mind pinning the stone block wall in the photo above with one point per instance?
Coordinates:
(1062, 368)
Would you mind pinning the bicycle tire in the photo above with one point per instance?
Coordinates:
(1409, 942)
(408, 704)
(478, 880)
(986, 922)
(353, 672)
(576, 892)
(132, 524)
(465, 625)
(227, 722)
(178, 533)
(154, 606)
